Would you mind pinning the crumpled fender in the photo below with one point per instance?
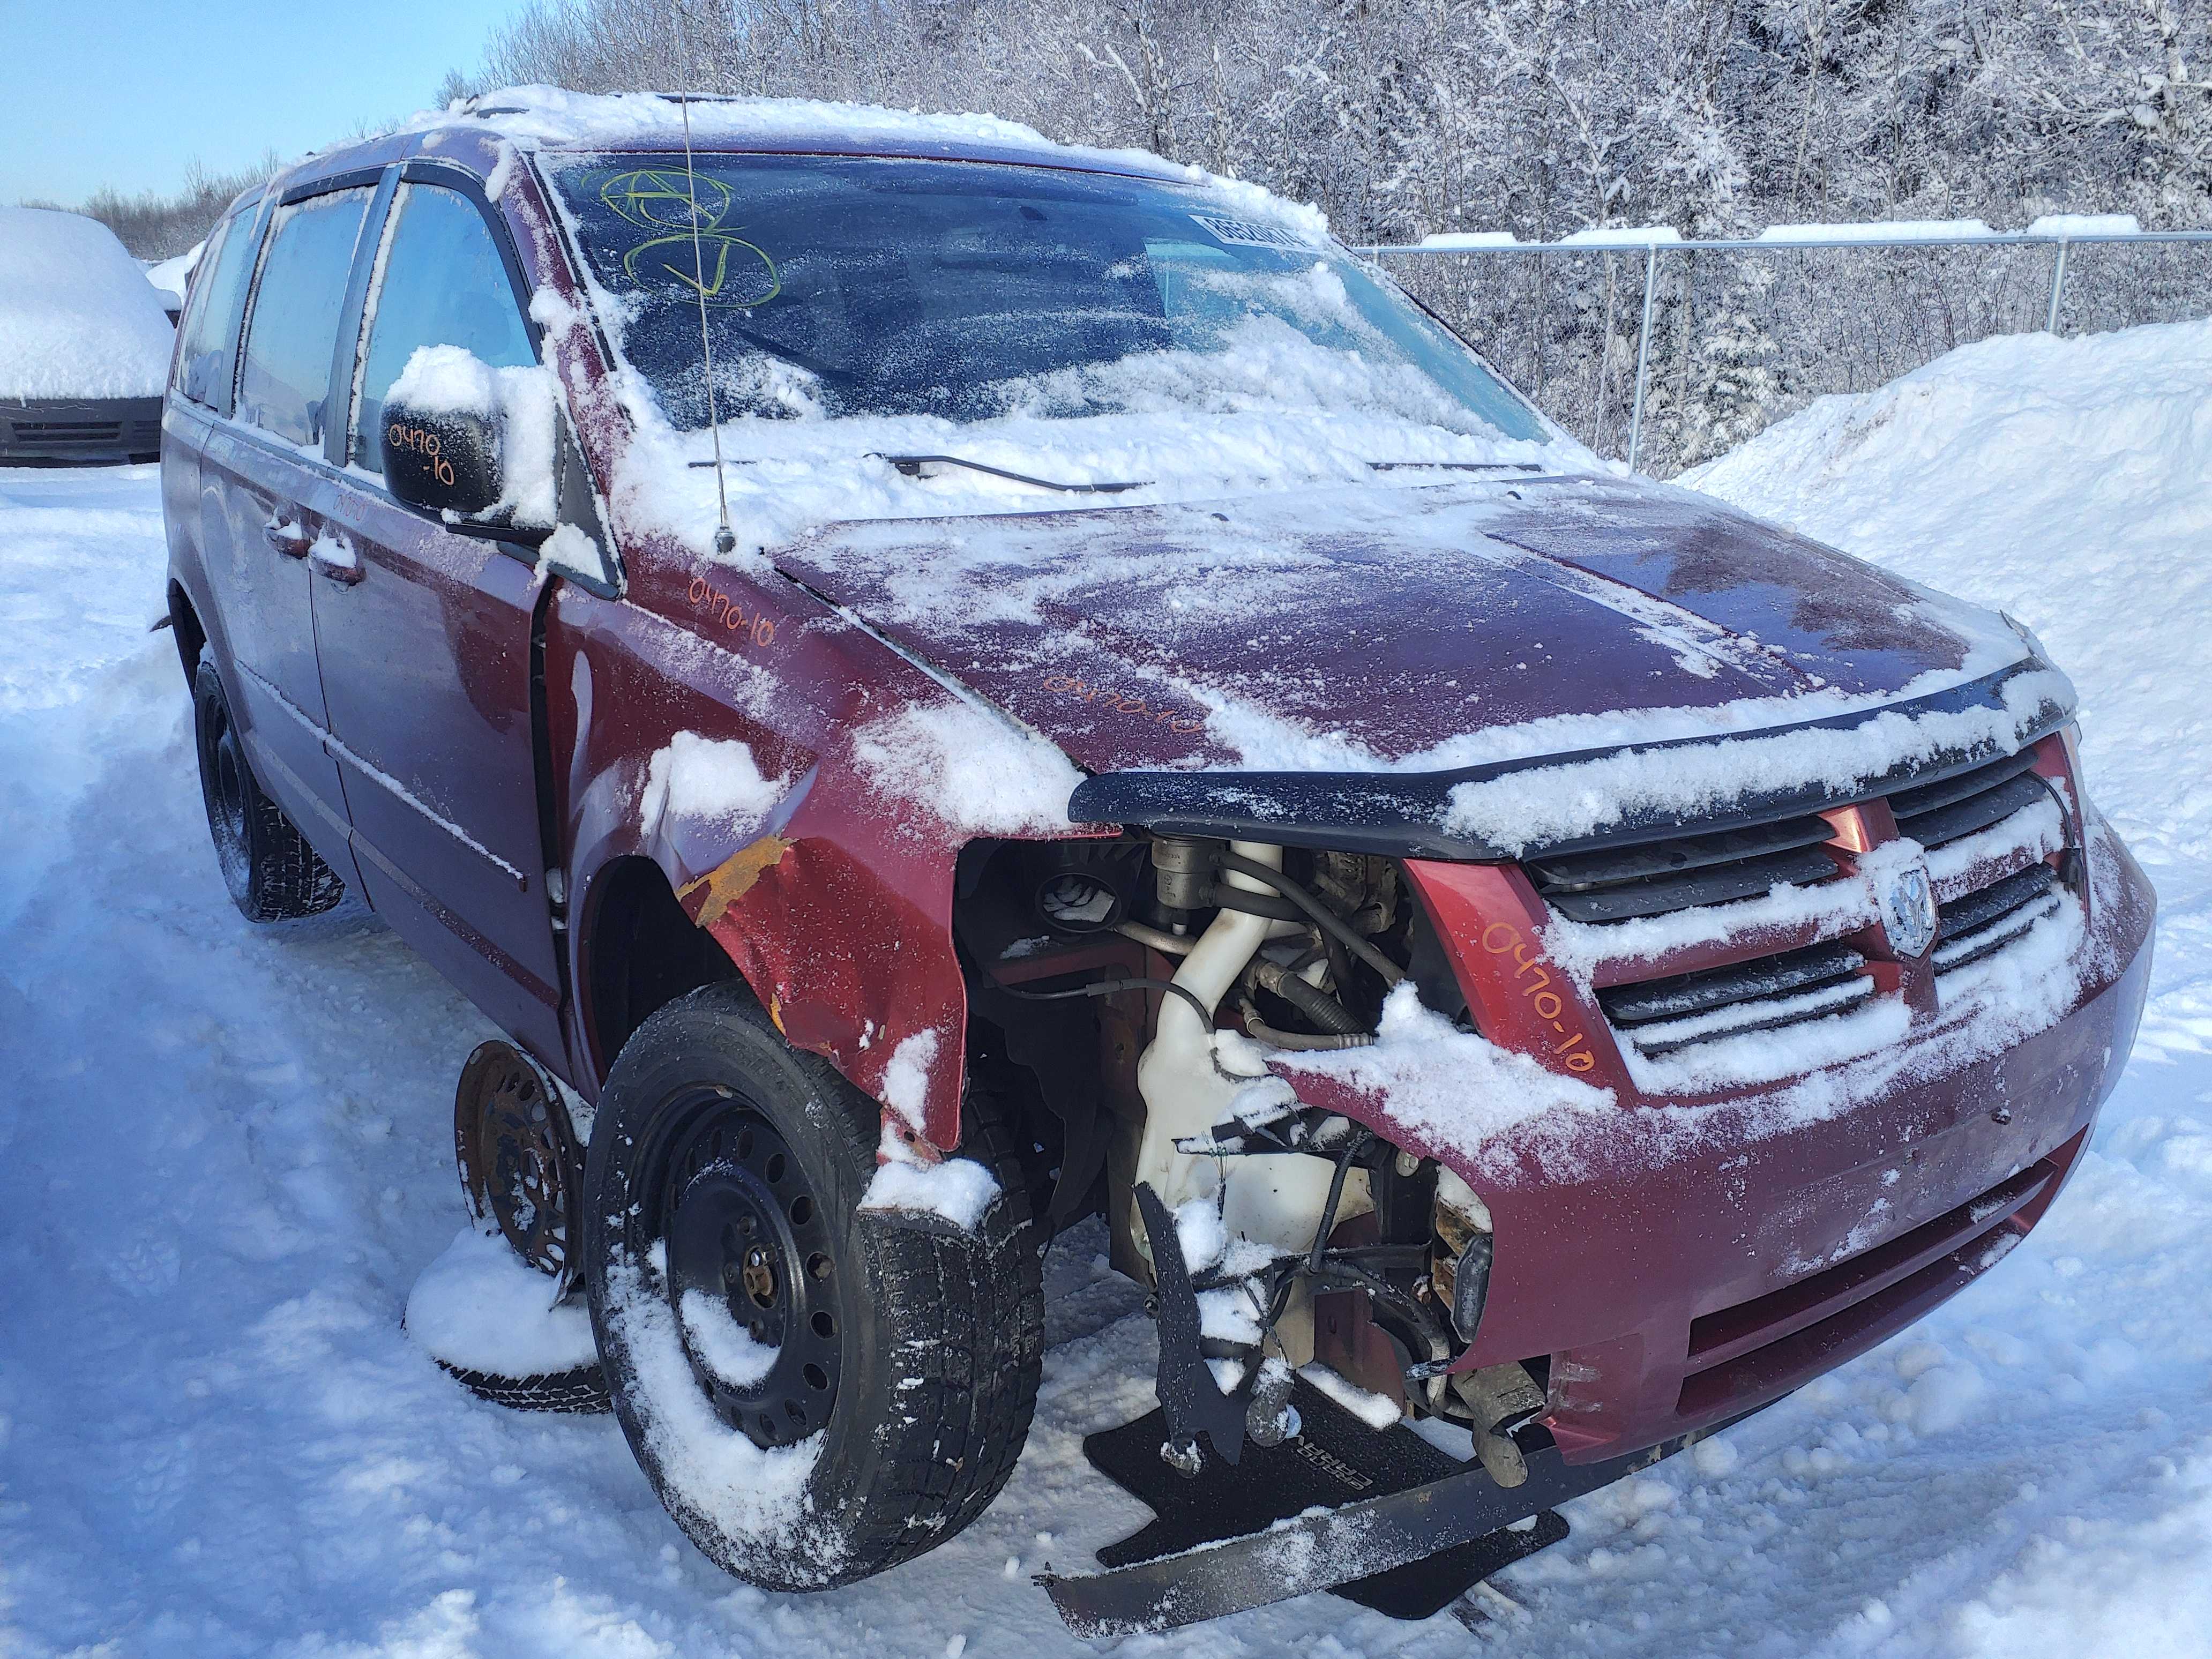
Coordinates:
(836, 903)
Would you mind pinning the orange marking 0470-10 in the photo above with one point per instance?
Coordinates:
(1499, 938)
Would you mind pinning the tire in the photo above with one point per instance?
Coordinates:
(584, 1390)
(272, 873)
(934, 1343)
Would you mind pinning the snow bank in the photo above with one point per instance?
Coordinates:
(480, 1307)
(77, 317)
(2068, 482)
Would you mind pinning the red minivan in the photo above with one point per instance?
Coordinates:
(938, 686)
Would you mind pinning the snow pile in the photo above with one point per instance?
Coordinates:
(173, 278)
(480, 1307)
(77, 317)
(970, 767)
(1450, 1090)
(710, 780)
(2065, 482)
(957, 1191)
(707, 1466)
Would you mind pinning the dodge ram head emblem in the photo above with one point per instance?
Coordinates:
(1908, 912)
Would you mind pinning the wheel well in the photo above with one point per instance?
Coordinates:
(640, 953)
(184, 624)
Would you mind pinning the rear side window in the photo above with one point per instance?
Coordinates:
(210, 322)
(441, 283)
(284, 381)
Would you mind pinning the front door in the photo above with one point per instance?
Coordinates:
(424, 642)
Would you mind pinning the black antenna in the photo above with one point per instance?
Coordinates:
(726, 539)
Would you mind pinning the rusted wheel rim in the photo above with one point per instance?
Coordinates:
(517, 1157)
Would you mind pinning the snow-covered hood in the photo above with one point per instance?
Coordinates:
(1399, 631)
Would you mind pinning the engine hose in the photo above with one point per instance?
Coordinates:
(1335, 924)
(1106, 988)
(1309, 999)
(1260, 1031)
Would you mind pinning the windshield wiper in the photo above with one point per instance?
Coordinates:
(911, 465)
(1457, 467)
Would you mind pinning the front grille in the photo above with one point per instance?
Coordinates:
(1662, 1016)
(1974, 925)
(1936, 814)
(1699, 869)
(69, 431)
(1653, 878)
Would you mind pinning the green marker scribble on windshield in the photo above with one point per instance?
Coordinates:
(729, 270)
(658, 199)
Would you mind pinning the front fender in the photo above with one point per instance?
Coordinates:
(833, 898)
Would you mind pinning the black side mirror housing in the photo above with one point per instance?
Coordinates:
(446, 463)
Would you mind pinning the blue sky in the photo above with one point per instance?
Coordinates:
(127, 92)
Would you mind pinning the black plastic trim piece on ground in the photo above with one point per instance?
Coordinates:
(1335, 1459)
(1372, 1539)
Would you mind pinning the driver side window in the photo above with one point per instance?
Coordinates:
(442, 281)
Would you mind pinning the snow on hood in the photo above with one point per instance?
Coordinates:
(77, 317)
(1402, 630)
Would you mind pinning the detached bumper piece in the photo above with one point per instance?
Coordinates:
(1406, 1531)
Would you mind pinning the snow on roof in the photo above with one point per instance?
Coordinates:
(77, 317)
(174, 276)
(553, 117)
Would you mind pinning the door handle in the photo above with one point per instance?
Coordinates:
(291, 540)
(334, 559)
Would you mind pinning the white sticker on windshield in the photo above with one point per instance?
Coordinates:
(1252, 234)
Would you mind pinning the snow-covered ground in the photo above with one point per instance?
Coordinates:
(225, 1157)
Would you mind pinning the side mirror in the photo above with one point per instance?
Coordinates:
(473, 444)
(446, 462)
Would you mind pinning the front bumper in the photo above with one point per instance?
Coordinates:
(52, 431)
(1680, 1266)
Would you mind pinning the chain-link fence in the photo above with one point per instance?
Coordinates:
(1741, 334)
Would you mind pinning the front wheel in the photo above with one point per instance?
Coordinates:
(818, 1393)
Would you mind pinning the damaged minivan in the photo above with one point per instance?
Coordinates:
(940, 687)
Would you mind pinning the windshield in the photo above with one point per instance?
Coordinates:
(966, 291)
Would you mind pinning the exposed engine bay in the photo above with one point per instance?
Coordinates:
(1132, 987)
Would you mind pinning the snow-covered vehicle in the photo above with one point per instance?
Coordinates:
(84, 343)
(943, 685)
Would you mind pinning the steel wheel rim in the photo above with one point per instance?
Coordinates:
(744, 1225)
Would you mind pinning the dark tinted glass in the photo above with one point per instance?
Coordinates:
(968, 290)
(284, 381)
(211, 324)
(443, 283)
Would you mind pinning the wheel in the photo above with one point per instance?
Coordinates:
(816, 1394)
(272, 873)
(521, 1173)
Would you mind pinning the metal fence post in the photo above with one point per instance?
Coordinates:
(1643, 351)
(2058, 287)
